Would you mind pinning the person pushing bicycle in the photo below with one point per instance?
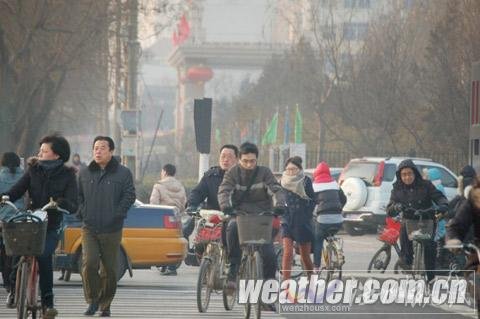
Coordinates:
(410, 193)
(249, 188)
(48, 177)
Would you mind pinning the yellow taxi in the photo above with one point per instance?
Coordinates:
(151, 237)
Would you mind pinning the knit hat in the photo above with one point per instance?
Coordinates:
(322, 174)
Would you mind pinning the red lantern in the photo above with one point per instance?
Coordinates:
(199, 74)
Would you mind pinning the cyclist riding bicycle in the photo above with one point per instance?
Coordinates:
(468, 214)
(410, 193)
(249, 188)
(207, 189)
(48, 177)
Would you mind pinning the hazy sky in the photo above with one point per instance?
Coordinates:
(236, 20)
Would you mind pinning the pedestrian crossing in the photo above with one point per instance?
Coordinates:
(139, 303)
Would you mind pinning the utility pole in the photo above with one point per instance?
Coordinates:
(131, 114)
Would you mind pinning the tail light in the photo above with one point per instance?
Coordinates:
(377, 180)
(170, 222)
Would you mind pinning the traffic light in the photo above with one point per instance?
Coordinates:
(202, 117)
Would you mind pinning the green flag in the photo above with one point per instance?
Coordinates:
(298, 126)
(270, 136)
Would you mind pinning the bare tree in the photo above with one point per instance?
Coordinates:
(40, 43)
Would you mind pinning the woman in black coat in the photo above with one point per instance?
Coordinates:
(297, 221)
(411, 192)
(48, 177)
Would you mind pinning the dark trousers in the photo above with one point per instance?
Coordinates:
(5, 267)
(430, 252)
(321, 232)
(235, 252)
(45, 269)
(99, 287)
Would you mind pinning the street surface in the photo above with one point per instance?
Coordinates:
(149, 295)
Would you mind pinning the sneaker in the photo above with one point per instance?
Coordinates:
(50, 313)
(92, 308)
(10, 300)
(169, 272)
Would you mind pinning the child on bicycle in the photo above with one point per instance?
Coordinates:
(330, 200)
(411, 192)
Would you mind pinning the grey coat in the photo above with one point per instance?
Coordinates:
(105, 196)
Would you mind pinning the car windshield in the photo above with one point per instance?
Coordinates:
(363, 170)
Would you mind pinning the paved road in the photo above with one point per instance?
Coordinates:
(149, 295)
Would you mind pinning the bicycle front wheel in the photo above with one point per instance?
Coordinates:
(228, 297)
(21, 295)
(244, 274)
(418, 262)
(203, 285)
(257, 273)
(381, 259)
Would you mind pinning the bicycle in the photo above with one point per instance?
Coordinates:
(333, 256)
(254, 231)
(419, 231)
(473, 278)
(389, 236)
(24, 235)
(212, 274)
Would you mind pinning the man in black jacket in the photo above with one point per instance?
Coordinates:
(410, 193)
(106, 193)
(207, 188)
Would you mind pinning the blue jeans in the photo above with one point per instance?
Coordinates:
(320, 235)
(45, 268)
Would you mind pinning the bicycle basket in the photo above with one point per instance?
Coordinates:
(207, 233)
(24, 238)
(389, 236)
(419, 230)
(254, 229)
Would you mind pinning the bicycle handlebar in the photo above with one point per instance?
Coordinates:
(242, 213)
(51, 205)
(6, 201)
(54, 205)
(465, 247)
(422, 212)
